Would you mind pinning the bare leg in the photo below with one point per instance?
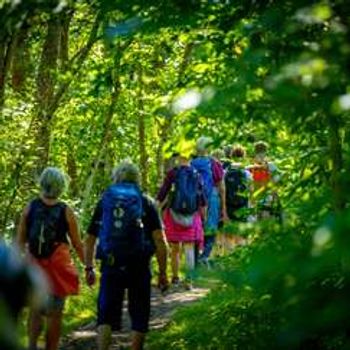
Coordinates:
(220, 244)
(190, 264)
(54, 320)
(137, 340)
(35, 325)
(229, 243)
(175, 259)
(189, 256)
(104, 336)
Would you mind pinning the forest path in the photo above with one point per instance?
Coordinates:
(163, 307)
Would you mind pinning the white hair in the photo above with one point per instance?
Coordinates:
(53, 182)
(202, 143)
(126, 171)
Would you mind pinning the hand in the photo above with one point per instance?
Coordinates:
(163, 283)
(225, 217)
(203, 213)
(90, 277)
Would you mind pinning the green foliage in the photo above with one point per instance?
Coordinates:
(284, 290)
(140, 78)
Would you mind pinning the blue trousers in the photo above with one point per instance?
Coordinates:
(209, 242)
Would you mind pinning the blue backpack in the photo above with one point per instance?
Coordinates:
(122, 235)
(204, 167)
(186, 195)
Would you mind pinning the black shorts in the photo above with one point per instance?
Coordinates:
(114, 281)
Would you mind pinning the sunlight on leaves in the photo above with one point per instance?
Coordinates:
(315, 14)
(344, 102)
(60, 6)
(191, 99)
(85, 314)
(321, 239)
(185, 147)
(255, 94)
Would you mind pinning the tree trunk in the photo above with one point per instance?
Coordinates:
(63, 56)
(45, 91)
(8, 43)
(72, 173)
(74, 66)
(20, 59)
(163, 134)
(64, 42)
(142, 134)
(106, 137)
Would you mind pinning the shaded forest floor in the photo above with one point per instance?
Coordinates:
(163, 307)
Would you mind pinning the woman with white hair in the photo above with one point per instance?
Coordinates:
(129, 231)
(46, 227)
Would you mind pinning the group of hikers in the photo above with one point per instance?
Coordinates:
(203, 194)
(199, 195)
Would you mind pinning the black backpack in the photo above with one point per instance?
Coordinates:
(236, 188)
(44, 228)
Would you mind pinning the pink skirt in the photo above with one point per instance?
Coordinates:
(175, 232)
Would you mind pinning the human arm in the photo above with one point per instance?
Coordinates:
(73, 232)
(275, 173)
(161, 254)
(21, 236)
(165, 188)
(218, 177)
(250, 185)
(203, 200)
(222, 192)
(154, 230)
(89, 252)
(90, 243)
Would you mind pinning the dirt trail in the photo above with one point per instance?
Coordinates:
(163, 306)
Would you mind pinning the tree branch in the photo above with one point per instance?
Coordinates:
(76, 62)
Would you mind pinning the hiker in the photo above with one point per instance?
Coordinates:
(238, 182)
(172, 162)
(265, 177)
(226, 160)
(238, 186)
(214, 188)
(46, 227)
(129, 230)
(21, 284)
(182, 190)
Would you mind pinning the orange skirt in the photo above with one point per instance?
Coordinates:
(60, 271)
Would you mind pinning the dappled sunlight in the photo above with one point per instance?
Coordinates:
(344, 102)
(251, 98)
(190, 99)
(317, 13)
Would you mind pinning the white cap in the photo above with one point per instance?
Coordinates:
(203, 142)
